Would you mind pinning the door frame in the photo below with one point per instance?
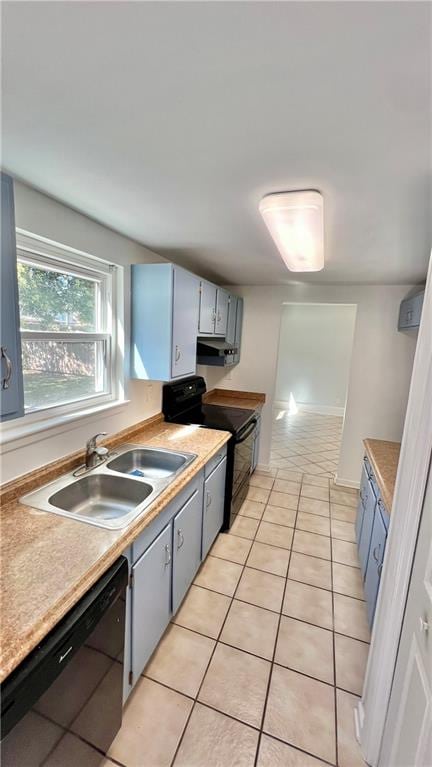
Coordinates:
(409, 493)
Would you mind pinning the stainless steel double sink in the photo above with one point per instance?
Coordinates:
(115, 492)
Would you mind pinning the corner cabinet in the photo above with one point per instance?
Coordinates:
(11, 386)
(165, 312)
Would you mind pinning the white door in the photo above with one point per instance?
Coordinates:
(407, 738)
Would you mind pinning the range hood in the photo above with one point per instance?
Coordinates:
(216, 352)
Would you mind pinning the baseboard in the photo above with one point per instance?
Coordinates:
(263, 467)
(318, 409)
(346, 482)
(321, 409)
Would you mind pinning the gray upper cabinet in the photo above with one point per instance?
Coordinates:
(165, 311)
(410, 312)
(238, 328)
(207, 308)
(213, 312)
(11, 387)
(186, 546)
(231, 323)
(222, 303)
(151, 599)
(185, 322)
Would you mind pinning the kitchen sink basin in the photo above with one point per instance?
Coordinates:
(149, 463)
(115, 492)
(101, 497)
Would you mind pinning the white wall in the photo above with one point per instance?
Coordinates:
(44, 216)
(380, 368)
(314, 355)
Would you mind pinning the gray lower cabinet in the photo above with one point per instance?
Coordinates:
(186, 546)
(371, 533)
(151, 599)
(163, 562)
(375, 562)
(213, 512)
(366, 528)
(11, 386)
(363, 498)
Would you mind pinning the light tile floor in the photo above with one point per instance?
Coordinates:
(264, 661)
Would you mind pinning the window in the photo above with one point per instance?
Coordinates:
(67, 329)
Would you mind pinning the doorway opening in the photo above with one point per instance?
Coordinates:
(315, 346)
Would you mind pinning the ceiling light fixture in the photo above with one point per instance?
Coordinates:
(295, 221)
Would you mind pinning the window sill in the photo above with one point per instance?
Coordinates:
(14, 435)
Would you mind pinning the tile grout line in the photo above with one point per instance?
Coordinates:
(211, 658)
(276, 641)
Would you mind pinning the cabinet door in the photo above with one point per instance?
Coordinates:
(366, 531)
(374, 565)
(11, 387)
(256, 445)
(187, 546)
(410, 312)
(222, 301)
(151, 599)
(238, 330)
(207, 310)
(184, 323)
(364, 488)
(231, 323)
(214, 500)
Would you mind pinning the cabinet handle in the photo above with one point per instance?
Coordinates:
(177, 354)
(219, 318)
(168, 555)
(208, 500)
(375, 556)
(180, 541)
(5, 381)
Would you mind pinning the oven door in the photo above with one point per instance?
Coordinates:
(242, 466)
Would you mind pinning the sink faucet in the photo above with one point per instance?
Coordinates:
(94, 453)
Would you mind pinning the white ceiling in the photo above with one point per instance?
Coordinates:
(168, 121)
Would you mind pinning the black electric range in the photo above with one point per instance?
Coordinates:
(182, 402)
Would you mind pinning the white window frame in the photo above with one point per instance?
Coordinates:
(46, 253)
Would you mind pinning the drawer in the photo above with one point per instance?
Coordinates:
(214, 461)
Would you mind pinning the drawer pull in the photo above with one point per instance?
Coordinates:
(208, 500)
(167, 555)
(180, 540)
(424, 625)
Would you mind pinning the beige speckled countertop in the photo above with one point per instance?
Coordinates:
(230, 398)
(49, 562)
(384, 458)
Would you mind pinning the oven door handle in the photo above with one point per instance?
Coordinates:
(248, 433)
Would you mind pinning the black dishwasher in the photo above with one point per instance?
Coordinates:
(63, 704)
